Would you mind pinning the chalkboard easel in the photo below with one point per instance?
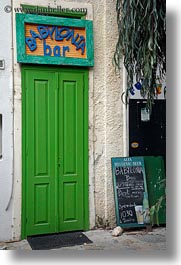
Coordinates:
(129, 181)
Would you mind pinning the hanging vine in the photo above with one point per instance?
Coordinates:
(142, 44)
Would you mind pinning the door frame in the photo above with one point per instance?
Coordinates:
(85, 71)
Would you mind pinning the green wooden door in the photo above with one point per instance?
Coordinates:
(55, 155)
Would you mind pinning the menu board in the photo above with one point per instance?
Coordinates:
(129, 186)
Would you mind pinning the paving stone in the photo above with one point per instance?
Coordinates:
(135, 242)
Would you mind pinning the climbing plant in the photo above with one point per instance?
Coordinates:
(141, 44)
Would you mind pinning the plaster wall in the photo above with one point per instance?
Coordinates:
(105, 113)
(6, 110)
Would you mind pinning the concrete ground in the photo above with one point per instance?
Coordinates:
(132, 241)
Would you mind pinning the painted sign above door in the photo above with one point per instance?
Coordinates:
(53, 40)
(56, 41)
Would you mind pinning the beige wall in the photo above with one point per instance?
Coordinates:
(105, 112)
(6, 131)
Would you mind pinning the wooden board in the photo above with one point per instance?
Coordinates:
(129, 186)
(52, 42)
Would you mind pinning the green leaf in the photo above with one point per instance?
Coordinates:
(141, 40)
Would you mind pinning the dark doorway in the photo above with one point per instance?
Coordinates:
(147, 133)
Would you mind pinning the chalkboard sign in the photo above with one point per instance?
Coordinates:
(129, 187)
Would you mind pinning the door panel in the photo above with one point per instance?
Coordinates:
(71, 150)
(40, 152)
(69, 126)
(41, 125)
(54, 150)
(41, 194)
(69, 201)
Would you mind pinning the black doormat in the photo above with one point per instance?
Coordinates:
(45, 242)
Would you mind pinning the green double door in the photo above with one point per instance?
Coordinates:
(55, 150)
